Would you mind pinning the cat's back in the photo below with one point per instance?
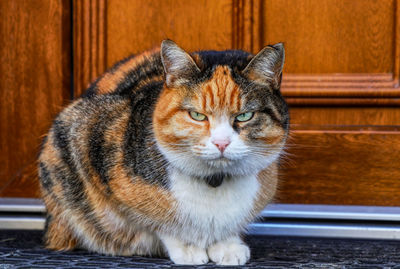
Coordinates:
(130, 75)
(86, 136)
(135, 80)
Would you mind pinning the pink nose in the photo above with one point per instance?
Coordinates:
(221, 144)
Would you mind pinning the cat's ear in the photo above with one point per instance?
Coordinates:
(266, 67)
(179, 66)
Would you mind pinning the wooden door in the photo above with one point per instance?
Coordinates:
(341, 78)
(342, 82)
(34, 85)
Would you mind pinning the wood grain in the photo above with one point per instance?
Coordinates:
(98, 24)
(336, 36)
(342, 116)
(345, 85)
(341, 90)
(355, 102)
(35, 80)
(134, 26)
(89, 42)
(345, 166)
(396, 53)
(246, 25)
(334, 57)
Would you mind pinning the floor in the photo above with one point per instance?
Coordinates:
(23, 249)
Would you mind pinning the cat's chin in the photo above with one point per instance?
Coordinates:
(220, 162)
(199, 168)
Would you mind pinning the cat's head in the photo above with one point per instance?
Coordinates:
(221, 111)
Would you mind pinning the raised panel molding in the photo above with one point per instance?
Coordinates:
(247, 25)
(89, 42)
(90, 48)
(348, 89)
(327, 89)
(341, 89)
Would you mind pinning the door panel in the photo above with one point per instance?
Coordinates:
(342, 78)
(35, 83)
(193, 24)
(339, 36)
(342, 165)
(107, 33)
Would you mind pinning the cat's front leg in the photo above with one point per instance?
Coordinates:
(182, 253)
(232, 251)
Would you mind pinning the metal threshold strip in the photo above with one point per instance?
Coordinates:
(332, 230)
(366, 222)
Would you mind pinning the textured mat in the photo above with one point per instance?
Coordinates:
(23, 249)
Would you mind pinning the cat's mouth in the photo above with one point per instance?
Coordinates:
(222, 157)
(220, 162)
(226, 158)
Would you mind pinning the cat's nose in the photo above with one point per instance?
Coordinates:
(221, 144)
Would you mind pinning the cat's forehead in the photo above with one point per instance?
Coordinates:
(219, 93)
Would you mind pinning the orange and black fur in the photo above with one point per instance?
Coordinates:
(167, 153)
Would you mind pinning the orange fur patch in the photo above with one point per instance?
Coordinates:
(168, 114)
(59, 236)
(220, 93)
(268, 180)
(109, 82)
(149, 200)
(49, 154)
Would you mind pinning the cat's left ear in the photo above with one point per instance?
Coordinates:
(179, 66)
(266, 67)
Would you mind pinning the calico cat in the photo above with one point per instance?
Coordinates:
(167, 153)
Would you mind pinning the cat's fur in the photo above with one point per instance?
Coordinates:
(125, 170)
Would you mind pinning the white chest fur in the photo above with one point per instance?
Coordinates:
(210, 214)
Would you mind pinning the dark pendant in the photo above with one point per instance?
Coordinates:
(215, 180)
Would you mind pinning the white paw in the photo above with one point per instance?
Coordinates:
(229, 253)
(188, 254)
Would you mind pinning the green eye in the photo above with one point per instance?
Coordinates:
(197, 116)
(245, 116)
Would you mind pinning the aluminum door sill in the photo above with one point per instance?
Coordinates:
(329, 230)
(362, 222)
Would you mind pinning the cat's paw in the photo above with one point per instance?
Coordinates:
(188, 254)
(231, 252)
(183, 253)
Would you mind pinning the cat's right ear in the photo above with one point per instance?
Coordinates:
(179, 67)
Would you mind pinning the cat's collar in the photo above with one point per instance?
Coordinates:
(215, 180)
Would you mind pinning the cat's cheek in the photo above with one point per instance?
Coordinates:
(270, 134)
(171, 134)
(181, 130)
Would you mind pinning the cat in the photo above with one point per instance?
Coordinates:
(167, 153)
